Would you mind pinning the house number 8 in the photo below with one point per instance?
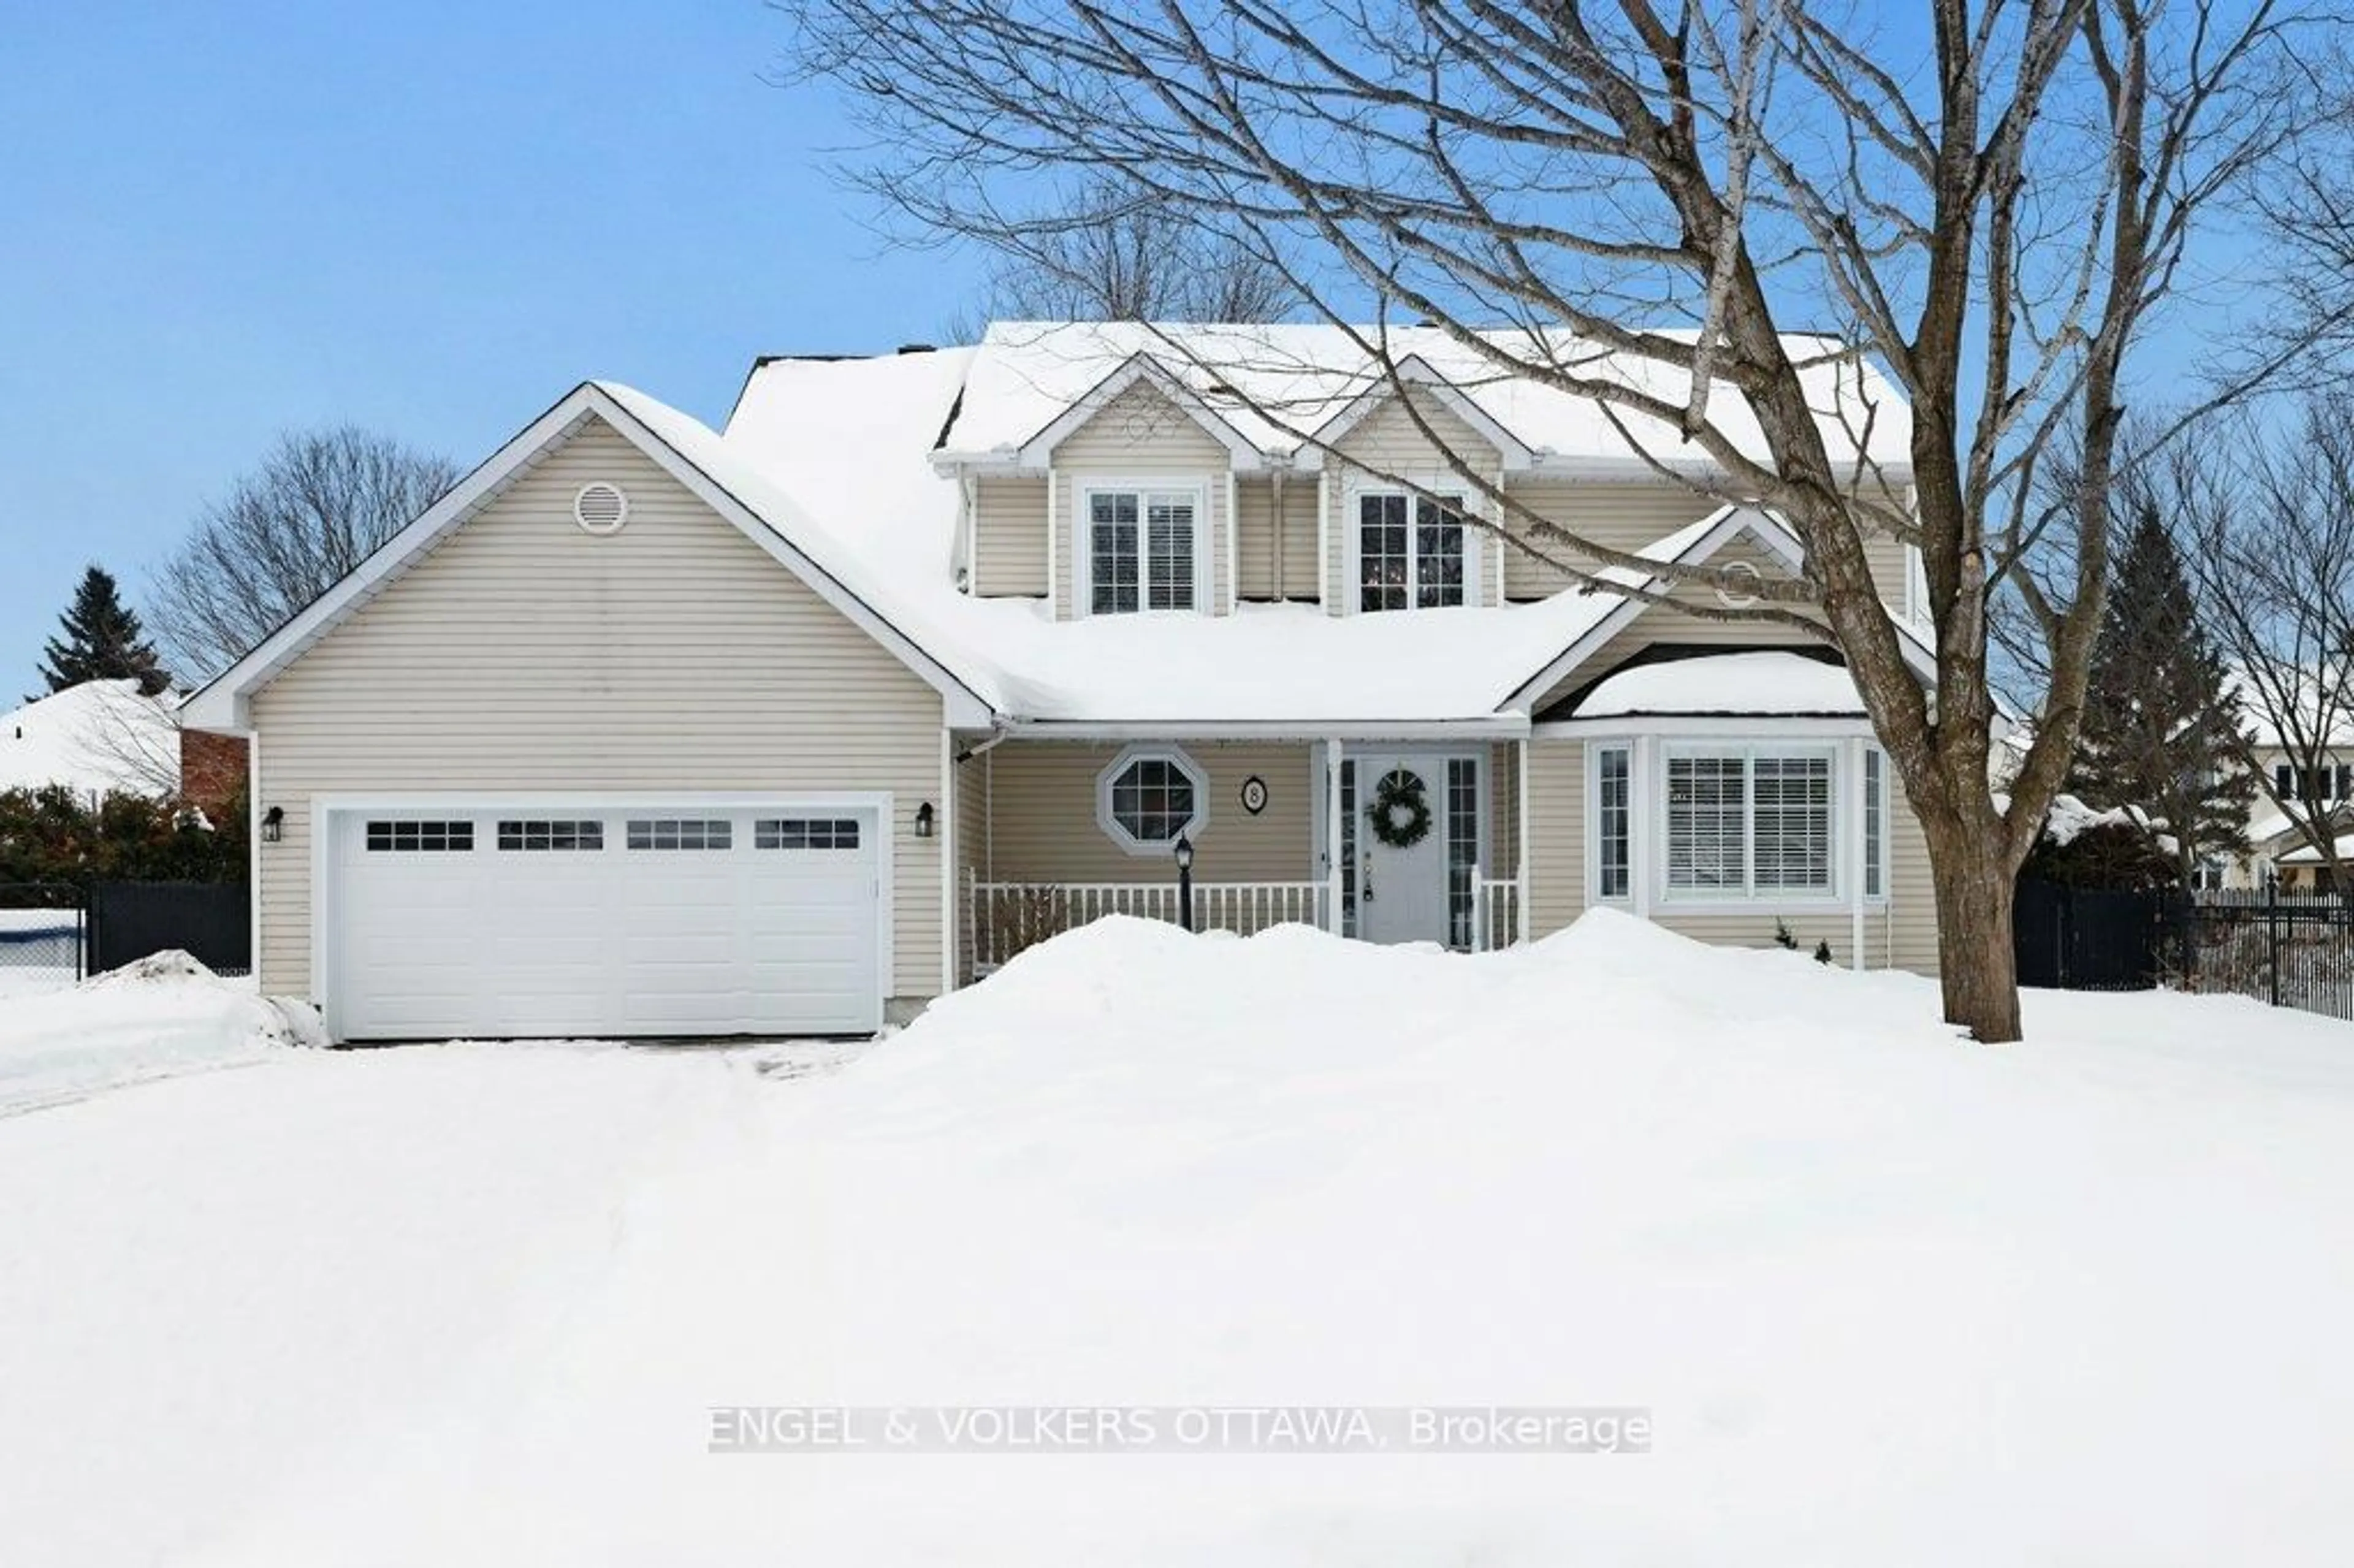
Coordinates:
(1254, 794)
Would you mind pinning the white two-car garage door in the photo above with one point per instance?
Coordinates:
(553, 920)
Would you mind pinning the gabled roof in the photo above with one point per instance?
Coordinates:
(1415, 371)
(1039, 450)
(691, 454)
(1280, 387)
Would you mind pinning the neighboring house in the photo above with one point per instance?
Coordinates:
(648, 730)
(105, 737)
(100, 739)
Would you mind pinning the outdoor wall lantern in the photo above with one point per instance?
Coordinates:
(924, 821)
(273, 824)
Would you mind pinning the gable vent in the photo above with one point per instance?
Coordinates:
(601, 508)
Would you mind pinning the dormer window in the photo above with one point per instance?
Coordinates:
(1140, 550)
(1410, 551)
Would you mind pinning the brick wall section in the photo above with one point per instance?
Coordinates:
(212, 770)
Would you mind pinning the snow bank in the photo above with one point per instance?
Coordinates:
(161, 1016)
(1892, 1298)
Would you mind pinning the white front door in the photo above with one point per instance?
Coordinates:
(1402, 888)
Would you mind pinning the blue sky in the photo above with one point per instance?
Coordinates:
(428, 217)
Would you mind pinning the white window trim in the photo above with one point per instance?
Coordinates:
(1083, 555)
(1865, 752)
(1750, 896)
(1352, 584)
(1127, 841)
(1594, 894)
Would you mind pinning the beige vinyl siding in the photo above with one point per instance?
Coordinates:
(524, 654)
(1557, 833)
(1140, 435)
(1044, 826)
(1908, 931)
(1300, 574)
(1255, 530)
(1009, 538)
(972, 781)
(1666, 623)
(1899, 934)
(1388, 441)
(1266, 544)
(1615, 517)
(1620, 516)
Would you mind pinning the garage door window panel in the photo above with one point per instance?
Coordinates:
(681, 833)
(805, 833)
(398, 836)
(551, 836)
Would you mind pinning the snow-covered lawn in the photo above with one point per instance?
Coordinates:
(1889, 1298)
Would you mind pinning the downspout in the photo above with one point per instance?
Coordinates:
(968, 531)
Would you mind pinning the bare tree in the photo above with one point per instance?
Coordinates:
(1990, 206)
(1119, 254)
(2268, 521)
(320, 504)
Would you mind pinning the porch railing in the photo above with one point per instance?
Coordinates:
(1496, 919)
(1003, 918)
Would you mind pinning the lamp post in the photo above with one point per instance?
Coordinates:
(1184, 882)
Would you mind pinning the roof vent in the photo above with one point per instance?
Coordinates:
(919, 347)
(601, 508)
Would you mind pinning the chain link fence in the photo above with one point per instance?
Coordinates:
(44, 933)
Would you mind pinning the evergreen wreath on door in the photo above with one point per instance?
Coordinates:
(1400, 812)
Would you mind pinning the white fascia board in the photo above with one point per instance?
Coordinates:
(224, 704)
(1039, 450)
(1713, 727)
(1504, 727)
(1517, 455)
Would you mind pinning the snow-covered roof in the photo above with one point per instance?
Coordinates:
(97, 738)
(851, 440)
(829, 464)
(1764, 682)
(2305, 854)
(1282, 388)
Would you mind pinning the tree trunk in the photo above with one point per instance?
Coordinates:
(1977, 963)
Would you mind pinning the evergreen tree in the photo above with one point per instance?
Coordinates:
(101, 641)
(2160, 718)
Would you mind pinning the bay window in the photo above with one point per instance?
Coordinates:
(1614, 839)
(1745, 823)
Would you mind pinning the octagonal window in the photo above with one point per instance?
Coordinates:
(1147, 800)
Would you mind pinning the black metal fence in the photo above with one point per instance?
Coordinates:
(2291, 950)
(57, 933)
(42, 930)
(2088, 938)
(212, 922)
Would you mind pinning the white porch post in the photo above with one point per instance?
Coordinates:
(1333, 836)
(1522, 929)
(1855, 854)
